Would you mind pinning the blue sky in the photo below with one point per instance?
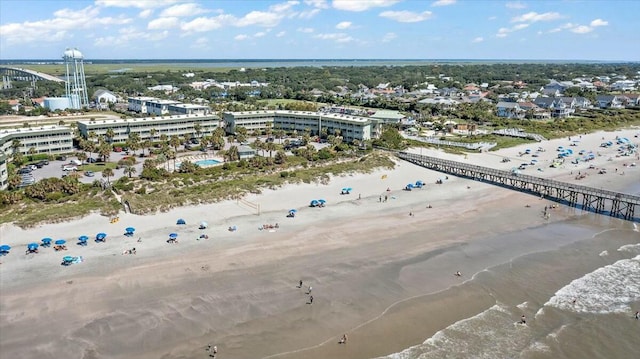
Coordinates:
(322, 29)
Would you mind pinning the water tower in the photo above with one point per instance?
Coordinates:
(76, 85)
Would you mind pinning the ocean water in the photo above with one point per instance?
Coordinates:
(579, 300)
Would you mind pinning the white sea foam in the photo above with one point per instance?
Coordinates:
(633, 248)
(604, 253)
(490, 334)
(609, 289)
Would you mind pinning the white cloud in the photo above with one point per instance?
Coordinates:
(183, 10)
(241, 37)
(535, 17)
(581, 29)
(406, 16)
(598, 22)
(140, 4)
(163, 23)
(145, 13)
(503, 31)
(361, 5)
(478, 39)
(203, 24)
(128, 35)
(306, 30)
(321, 4)
(284, 7)
(259, 34)
(515, 5)
(337, 37)
(60, 27)
(308, 14)
(260, 18)
(343, 25)
(443, 3)
(281, 34)
(389, 36)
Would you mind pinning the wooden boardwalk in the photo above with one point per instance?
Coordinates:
(615, 204)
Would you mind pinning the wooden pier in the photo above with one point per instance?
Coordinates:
(615, 204)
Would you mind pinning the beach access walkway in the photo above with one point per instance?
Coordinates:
(615, 204)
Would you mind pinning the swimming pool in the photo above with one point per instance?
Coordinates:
(207, 163)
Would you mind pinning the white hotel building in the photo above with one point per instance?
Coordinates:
(43, 139)
(351, 127)
(158, 107)
(178, 125)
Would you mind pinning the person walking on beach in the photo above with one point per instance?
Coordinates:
(637, 315)
(310, 288)
(523, 320)
(300, 285)
(343, 340)
(310, 299)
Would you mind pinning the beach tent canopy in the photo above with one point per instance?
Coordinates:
(101, 236)
(322, 201)
(419, 182)
(346, 189)
(181, 221)
(83, 238)
(60, 242)
(315, 202)
(32, 246)
(410, 185)
(130, 229)
(46, 241)
(5, 248)
(173, 235)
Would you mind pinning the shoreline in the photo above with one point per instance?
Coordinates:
(237, 290)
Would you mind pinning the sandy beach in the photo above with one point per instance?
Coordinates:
(378, 273)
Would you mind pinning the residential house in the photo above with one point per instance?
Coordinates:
(104, 97)
(510, 110)
(633, 100)
(15, 105)
(623, 85)
(610, 101)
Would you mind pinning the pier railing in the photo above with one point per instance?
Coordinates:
(616, 204)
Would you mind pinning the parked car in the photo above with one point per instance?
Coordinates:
(69, 167)
(24, 170)
(61, 158)
(91, 160)
(89, 173)
(76, 162)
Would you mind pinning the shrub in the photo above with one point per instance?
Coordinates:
(284, 174)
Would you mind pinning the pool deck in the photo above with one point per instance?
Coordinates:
(196, 158)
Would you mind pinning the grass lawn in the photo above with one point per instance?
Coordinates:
(97, 167)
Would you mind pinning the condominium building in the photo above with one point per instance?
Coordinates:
(178, 125)
(158, 107)
(43, 139)
(350, 127)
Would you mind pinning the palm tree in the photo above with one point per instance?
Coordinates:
(198, 128)
(175, 142)
(130, 170)
(110, 134)
(106, 173)
(32, 151)
(152, 134)
(81, 156)
(104, 150)
(134, 141)
(271, 146)
(281, 157)
(233, 154)
(15, 146)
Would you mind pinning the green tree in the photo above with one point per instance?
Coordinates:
(233, 154)
(130, 170)
(107, 173)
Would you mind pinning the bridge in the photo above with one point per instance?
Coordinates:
(615, 204)
(20, 74)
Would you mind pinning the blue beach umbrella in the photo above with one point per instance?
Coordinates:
(32, 246)
(322, 201)
(46, 241)
(314, 202)
(83, 238)
(60, 242)
(293, 210)
(101, 236)
(173, 235)
(130, 229)
(5, 248)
